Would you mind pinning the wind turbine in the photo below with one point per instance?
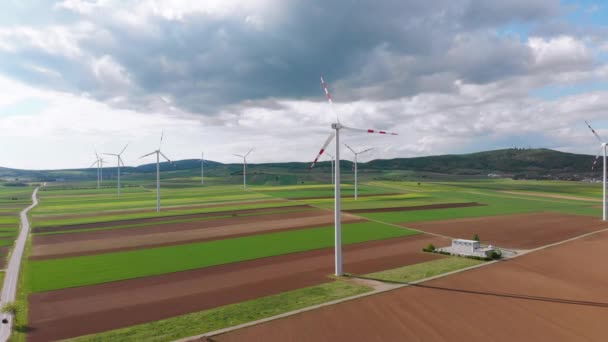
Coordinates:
(331, 160)
(158, 154)
(96, 162)
(602, 148)
(244, 168)
(337, 127)
(355, 165)
(118, 164)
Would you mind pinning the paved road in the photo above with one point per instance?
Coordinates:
(12, 271)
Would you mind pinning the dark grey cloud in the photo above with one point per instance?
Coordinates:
(372, 50)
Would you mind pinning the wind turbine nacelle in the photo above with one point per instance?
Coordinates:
(336, 126)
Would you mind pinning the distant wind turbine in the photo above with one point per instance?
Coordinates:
(244, 168)
(602, 148)
(119, 162)
(337, 126)
(355, 165)
(158, 154)
(97, 164)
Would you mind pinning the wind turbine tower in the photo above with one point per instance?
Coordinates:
(355, 165)
(244, 168)
(337, 127)
(158, 154)
(602, 149)
(119, 162)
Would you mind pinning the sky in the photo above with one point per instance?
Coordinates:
(224, 76)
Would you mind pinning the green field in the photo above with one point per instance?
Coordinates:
(185, 197)
(87, 270)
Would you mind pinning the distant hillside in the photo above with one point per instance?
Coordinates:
(513, 163)
(520, 163)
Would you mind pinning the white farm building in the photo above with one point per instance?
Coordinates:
(467, 248)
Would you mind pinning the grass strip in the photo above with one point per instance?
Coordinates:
(424, 270)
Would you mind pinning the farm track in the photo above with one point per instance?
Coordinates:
(554, 294)
(84, 310)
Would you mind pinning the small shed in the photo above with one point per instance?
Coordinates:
(461, 246)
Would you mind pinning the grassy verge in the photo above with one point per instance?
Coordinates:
(424, 270)
(230, 315)
(56, 274)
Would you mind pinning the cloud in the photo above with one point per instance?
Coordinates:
(234, 74)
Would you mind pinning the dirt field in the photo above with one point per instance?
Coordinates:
(515, 231)
(418, 207)
(86, 243)
(556, 294)
(84, 310)
(167, 218)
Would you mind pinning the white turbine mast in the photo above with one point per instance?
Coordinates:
(158, 154)
(331, 160)
(355, 165)
(244, 168)
(337, 127)
(602, 149)
(119, 163)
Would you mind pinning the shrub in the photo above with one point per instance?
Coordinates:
(476, 237)
(494, 254)
(429, 248)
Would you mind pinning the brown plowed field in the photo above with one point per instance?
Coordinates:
(161, 219)
(71, 312)
(514, 231)
(557, 294)
(418, 207)
(137, 211)
(104, 241)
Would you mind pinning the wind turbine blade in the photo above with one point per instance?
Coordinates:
(329, 139)
(596, 158)
(328, 95)
(353, 151)
(369, 149)
(248, 153)
(120, 161)
(597, 136)
(368, 130)
(238, 155)
(95, 162)
(123, 149)
(110, 154)
(164, 156)
(149, 154)
(162, 133)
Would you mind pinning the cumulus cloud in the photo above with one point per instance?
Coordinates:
(442, 73)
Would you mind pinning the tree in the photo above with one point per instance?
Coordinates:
(11, 308)
(476, 237)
